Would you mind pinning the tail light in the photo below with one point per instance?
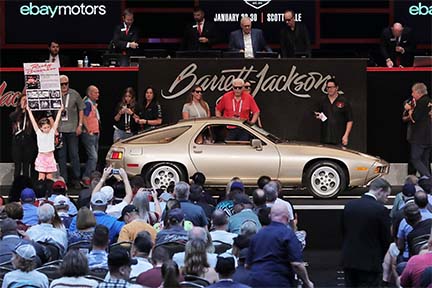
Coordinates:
(116, 155)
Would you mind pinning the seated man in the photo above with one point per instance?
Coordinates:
(248, 40)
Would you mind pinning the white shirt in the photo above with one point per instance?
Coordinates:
(142, 266)
(223, 236)
(45, 141)
(290, 208)
(248, 51)
(67, 282)
(31, 278)
(115, 210)
(56, 60)
(46, 232)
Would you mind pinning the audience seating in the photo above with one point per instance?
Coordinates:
(221, 247)
(172, 247)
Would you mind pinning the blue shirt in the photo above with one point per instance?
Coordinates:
(193, 213)
(114, 226)
(271, 252)
(405, 229)
(30, 214)
(97, 259)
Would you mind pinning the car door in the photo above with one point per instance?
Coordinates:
(220, 160)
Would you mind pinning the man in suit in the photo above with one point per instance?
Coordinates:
(55, 57)
(200, 35)
(366, 236)
(126, 35)
(248, 40)
(420, 129)
(294, 37)
(397, 46)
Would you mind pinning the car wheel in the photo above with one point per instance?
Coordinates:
(161, 175)
(325, 179)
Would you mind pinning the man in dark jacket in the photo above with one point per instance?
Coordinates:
(366, 236)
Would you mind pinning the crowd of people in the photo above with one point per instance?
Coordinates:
(121, 234)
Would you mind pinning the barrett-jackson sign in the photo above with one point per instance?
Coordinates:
(285, 90)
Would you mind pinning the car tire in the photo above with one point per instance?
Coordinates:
(161, 175)
(325, 179)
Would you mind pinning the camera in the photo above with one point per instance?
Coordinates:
(115, 171)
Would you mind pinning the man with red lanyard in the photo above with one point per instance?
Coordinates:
(237, 104)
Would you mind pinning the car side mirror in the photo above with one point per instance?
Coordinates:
(256, 144)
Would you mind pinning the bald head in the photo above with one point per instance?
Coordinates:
(198, 233)
(397, 29)
(279, 213)
(93, 92)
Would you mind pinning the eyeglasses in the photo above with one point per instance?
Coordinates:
(198, 91)
(329, 87)
(237, 87)
(247, 87)
(64, 84)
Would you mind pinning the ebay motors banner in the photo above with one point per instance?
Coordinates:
(66, 21)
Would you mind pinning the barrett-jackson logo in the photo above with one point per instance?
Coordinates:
(8, 99)
(297, 84)
(257, 4)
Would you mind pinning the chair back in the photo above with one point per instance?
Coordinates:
(84, 246)
(173, 247)
(221, 247)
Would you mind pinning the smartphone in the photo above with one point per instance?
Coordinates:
(115, 171)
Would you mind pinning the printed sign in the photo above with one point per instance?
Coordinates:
(42, 86)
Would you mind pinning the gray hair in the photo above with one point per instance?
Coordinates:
(197, 233)
(420, 87)
(378, 184)
(271, 191)
(141, 202)
(238, 80)
(248, 228)
(181, 190)
(45, 213)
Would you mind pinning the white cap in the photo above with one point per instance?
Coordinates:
(26, 251)
(108, 192)
(98, 199)
(61, 200)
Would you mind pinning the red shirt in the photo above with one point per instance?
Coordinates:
(411, 276)
(237, 109)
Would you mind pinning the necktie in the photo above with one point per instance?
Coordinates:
(199, 28)
(127, 30)
(53, 59)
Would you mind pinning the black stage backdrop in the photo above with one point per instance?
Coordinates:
(386, 90)
(286, 90)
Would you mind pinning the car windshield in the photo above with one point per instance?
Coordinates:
(263, 132)
(159, 136)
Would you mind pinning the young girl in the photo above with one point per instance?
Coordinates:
(45, 163)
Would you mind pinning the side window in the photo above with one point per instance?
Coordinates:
(223, 134)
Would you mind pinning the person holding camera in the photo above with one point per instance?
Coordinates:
(114, 210)
(124, 125)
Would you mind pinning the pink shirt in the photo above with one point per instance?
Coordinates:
(411, 275)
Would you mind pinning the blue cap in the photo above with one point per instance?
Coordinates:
(28, 195)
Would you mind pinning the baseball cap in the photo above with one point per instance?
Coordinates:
(165, 196)
(28, 195)
(108, 192)
(59, 184)
(176, 214)
(60, 200)
(198, 178)
(26, 251)
(408, 190)
(128, 209)
(98, 199)
(120, 257)
(237, 185)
